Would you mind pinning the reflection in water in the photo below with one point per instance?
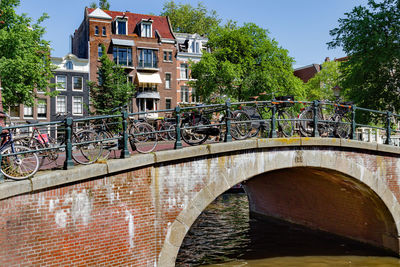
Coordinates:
(225, 235)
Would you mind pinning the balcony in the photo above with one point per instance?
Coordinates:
(147, 65)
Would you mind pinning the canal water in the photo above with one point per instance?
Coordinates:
(225, 235)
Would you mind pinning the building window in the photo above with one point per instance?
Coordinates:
(100, 51)
(61, 81)
(184, 71)
(148, 58)
(167, 56)
(167, 80)
(42, 108)
(184, 94)
(15, 111)
(77, 83)
(167, 103)
(194, 97)
(121, 26)
(28, 112)
(147, 87)
(104, 32)
(146, 30)
(96, 30)
(69, 65)
(122, 56)
(77, 105)
(61, 104)
(197, 47)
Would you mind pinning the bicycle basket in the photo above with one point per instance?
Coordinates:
(285, 98)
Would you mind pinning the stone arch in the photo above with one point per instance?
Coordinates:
(229, 173)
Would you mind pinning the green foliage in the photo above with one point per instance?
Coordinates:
(24, 56)
(371, 37)
(188, 19)
(320, 86)
(112, 89)
(103, 4)
(244, 62)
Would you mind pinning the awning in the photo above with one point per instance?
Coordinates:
(148, 77)
(155, 95)
(123, 42)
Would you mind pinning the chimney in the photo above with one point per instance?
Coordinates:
(327, 59)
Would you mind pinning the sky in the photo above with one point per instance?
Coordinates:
(300, 26)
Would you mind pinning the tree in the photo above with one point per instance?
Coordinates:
(112, 89)
(320, 86)
(188, 19)
(24, 56)
(244, 62)
(104, 4)
(371, 38)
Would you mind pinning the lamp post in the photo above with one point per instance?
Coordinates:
(336, 91)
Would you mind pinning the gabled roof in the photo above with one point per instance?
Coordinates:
(307, 72)
(99, 14)
(160, 23)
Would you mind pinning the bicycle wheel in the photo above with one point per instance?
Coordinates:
(86, 146)
(306, 123)
(195, 136)
(143, 138)
(106, 145)
(285, 124)
(343, 127)
(172, 132)
(21, 166)
(241, 125)
(164, 135)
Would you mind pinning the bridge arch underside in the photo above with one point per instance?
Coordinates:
(326, 200)
(351, 193)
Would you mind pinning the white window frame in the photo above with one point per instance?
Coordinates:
(66, 83)
(186, 71)
(144, 33)
(26, 114)
(126, 26)
(80, 108)
(65, 106)
(38, 107)
(170, 80)
(185, 93)
(73, 83)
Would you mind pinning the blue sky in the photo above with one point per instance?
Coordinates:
(300, 26)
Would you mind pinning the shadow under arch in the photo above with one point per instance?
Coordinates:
(279, 160)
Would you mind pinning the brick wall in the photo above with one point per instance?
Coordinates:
(128, 218)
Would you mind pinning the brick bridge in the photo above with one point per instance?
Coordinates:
(136, 211)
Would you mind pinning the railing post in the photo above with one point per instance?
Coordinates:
(273, 121)
(178, 142)
(388, 128)
(315, 118)
(353, 122)
(68, 163)
(1, 174)
(228, 136)
(125, 150)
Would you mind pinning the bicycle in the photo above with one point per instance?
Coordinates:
(142, 136)
(86, 144)
(331, 122)
(196, 126)
(284, 119)
(17, 162)
(40, 141)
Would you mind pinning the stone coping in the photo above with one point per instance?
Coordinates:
(48, 179)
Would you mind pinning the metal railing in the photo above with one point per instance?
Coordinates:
(384, 121)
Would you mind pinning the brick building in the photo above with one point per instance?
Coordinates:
(144, 45)
(190, 48)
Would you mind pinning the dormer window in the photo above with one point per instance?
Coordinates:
(69, 65)
(146, 30)
(121, 26)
